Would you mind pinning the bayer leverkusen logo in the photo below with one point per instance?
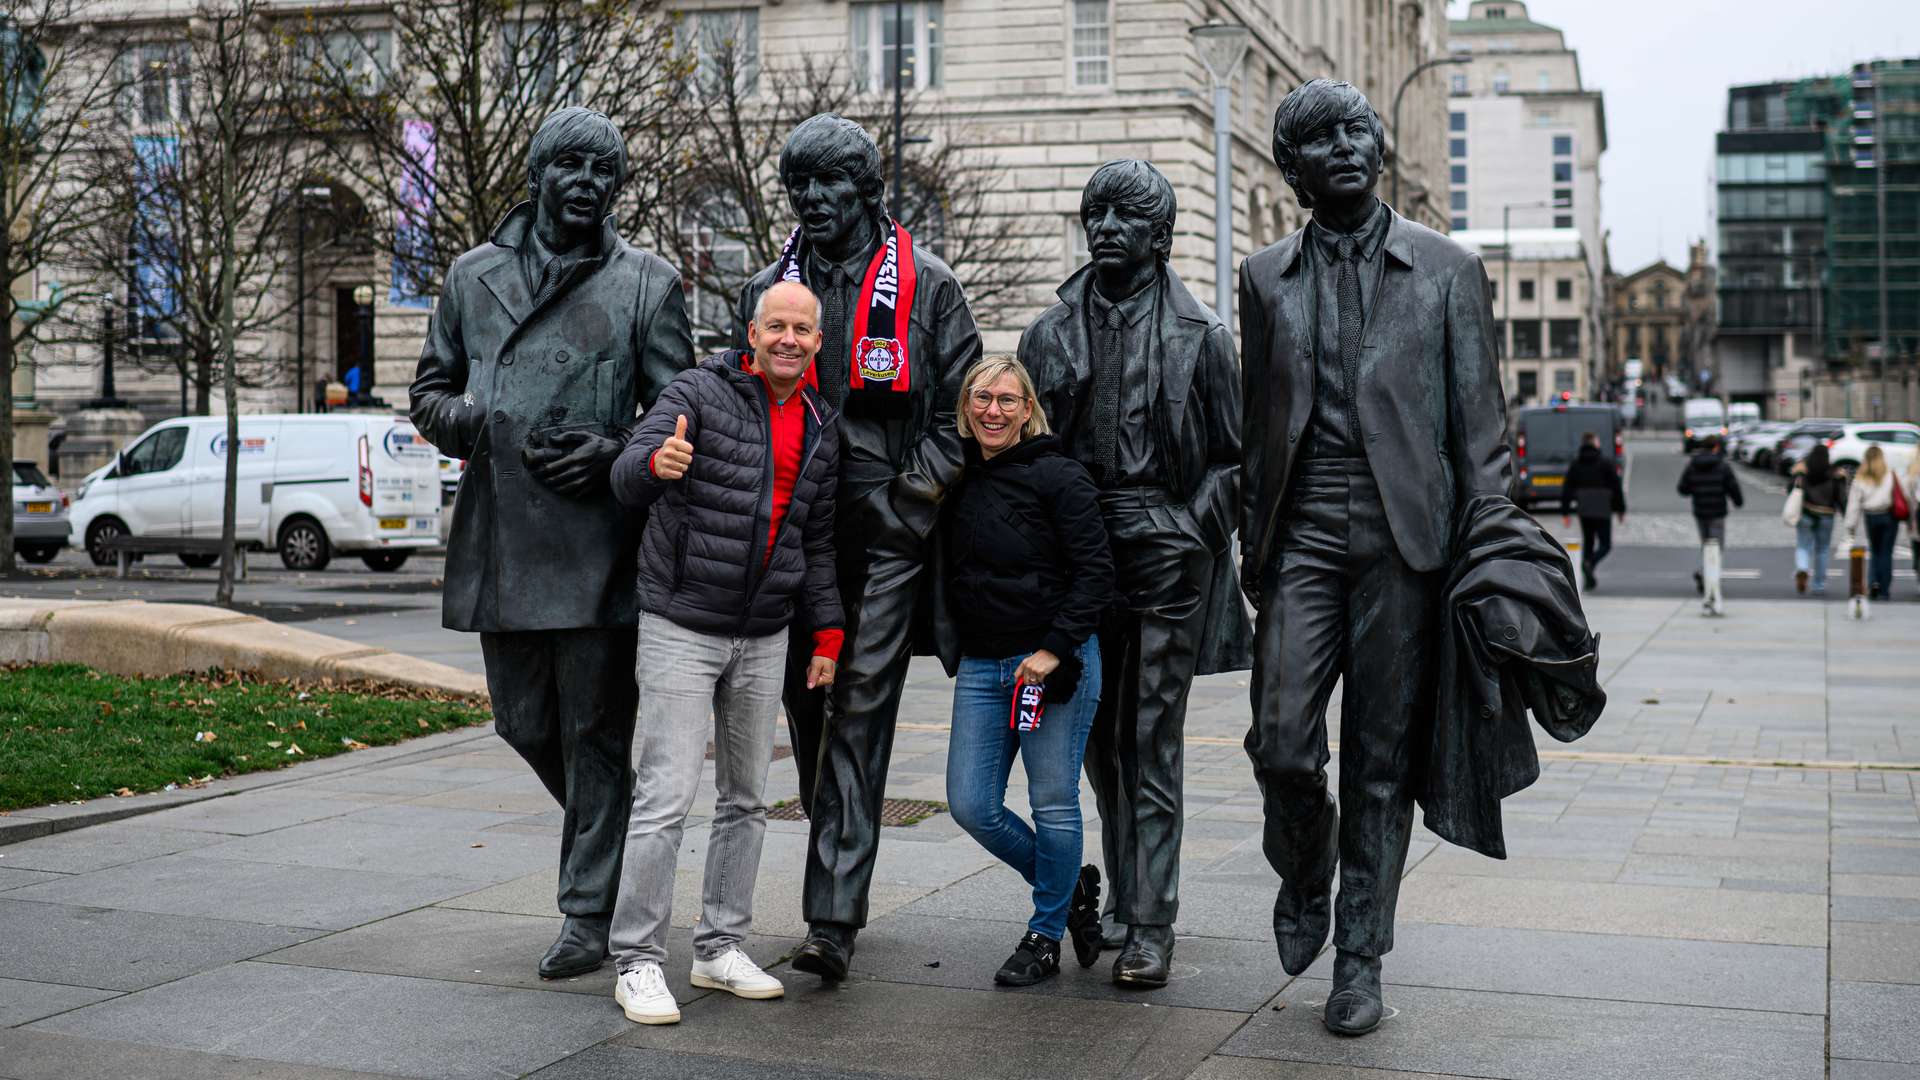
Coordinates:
(879, 358)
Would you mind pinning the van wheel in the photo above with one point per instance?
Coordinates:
(385, 561)
(199, 560)
(98, 534)
(38, 553)
(304, 545)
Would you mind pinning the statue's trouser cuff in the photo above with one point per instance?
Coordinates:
(1150, 645)
(564, 700)
(1338, 600)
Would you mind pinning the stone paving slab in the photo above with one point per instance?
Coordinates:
(631, 1062)
(37, 1055)
(262, 812)
(352, 1020)
(17, 879)
(1650, 910)
(124, 950)
(1876, 952)
(21, 1001)
(1874, 1022)
(101, 846)
(348, 845)
(1532, 1037)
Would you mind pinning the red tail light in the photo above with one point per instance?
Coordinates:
(366, 474)
(65, 502)
(1826, 442)
(1619, 452)
(1520, 446)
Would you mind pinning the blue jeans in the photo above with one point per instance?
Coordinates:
(1881, 529)
(980, 756)
(1815, 533)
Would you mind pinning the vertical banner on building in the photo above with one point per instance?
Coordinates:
(412, 232)
(151, 250)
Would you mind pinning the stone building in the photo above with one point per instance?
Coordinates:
(1542, 302)
(1050, 89)
(1663, 317)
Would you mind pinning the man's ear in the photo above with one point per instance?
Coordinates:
(1163, 240)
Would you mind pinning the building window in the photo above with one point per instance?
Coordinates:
(158, 73)
(1496, 13)
(1563, 198)
(1546, 81)
(1457, 174)
(1563, 289)
(1456, 148)
(349, 60)
(1526, 290)
(1501, 80)
(1077, 253)
(1457, 121)
(1526, 336)
(1563, 380)
(1563, 172)
(1093, 43)
(1493, 289)
(538, 53)
(1563, 338)
(1458, 83)
(877, 56)
(713, 231)
(1659, 297)
(1529, 386)
(1563, 221)
(1458, 224)
(1563, 146)
(1459, 200)
(1633, 341)
(726, 40)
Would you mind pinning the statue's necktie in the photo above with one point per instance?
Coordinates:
(830, 364)
(1106, 399)
(1348, 288)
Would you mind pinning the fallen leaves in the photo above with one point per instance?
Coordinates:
(294, 748)
(204, 736)
(352, 744)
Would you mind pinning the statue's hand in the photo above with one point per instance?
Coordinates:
(576, 461)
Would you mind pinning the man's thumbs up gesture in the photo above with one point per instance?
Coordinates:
(671, 460)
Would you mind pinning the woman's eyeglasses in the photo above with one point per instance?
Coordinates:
(1007, 402)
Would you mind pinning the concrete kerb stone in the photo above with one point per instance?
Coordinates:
(135, 638)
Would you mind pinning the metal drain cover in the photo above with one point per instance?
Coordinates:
(897, 812)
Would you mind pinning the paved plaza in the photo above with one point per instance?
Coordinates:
(1722, 880)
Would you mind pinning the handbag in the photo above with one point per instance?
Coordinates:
(1790, 514)
(1901, 511)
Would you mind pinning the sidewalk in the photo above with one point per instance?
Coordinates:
(1709, 885)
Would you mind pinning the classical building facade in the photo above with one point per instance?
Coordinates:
(1543, 304)
(1050, 89)
(1663, 317)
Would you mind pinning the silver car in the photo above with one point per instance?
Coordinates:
(39, 514)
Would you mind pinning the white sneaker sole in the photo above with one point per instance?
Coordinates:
(706, 983)
(647, 1018)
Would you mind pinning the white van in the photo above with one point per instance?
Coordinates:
(1701, 417)
(308, 486)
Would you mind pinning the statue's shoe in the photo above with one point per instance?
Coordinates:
(1146, 958)
(1301, 920)
(1355, 1006)
(580, 948)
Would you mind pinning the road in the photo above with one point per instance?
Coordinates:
(1654, 555)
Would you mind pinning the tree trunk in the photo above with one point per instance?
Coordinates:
(229, 211)
(6, 444)
(202, 379)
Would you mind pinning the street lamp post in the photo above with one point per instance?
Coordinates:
(363, 313)
(1222, 46)
(1437, 61)
(1506, 278)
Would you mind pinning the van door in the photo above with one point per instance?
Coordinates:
(257, 448)
(404, 481)
(151, 483)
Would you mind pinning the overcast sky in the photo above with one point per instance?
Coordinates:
(1665, 66)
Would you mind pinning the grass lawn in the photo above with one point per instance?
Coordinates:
(68, 732)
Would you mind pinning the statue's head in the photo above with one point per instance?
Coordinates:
(831, 170)
(1127, 209)
(576, 162)
(1328, 143)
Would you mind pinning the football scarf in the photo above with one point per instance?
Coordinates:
(879, 350)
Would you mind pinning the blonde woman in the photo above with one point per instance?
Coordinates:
(1871, 498)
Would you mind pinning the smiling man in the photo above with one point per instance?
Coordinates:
(896, 339)
(1140, 380)
(545, 343)
(1373, 415)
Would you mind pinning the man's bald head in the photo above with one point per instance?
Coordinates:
(789, 290)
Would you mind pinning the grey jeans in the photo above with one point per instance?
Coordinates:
(693, 686)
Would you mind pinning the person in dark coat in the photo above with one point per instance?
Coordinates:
(1823, 496)
(1710, 482)
(737, 462)
(896, 338)
(1025, 544)
(1373, 416)
(1141, 381)
(1592, 486)
(545, 343)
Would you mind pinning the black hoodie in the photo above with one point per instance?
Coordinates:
(1710, 480)
(1593, 485)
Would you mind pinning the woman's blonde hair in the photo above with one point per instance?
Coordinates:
(1874, 468)
(985, 373)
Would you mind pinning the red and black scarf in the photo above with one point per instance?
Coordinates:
(879, 352)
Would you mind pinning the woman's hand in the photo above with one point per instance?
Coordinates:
(1037, 667)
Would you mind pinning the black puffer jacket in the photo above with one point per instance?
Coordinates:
(1028, 566)
(702, 561)
(1592, 486)
(1710, 481)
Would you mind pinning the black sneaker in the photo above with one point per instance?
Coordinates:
(1035, 959)
(1699, 584)
(1083, 916)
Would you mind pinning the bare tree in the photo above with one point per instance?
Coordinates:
(58, 93)
(431, 115)
(728, 216)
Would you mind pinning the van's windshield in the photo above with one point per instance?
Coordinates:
(1554, 435)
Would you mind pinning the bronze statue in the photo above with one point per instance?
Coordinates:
(1140, 381)
(545, 342)
(897, 336)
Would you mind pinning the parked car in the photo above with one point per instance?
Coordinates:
(1754, 443)
(39, 514)
(1545, 440)
(309, 486)
(1699, 418)
(1898, 441)
(1742, 412)
(1801, 438)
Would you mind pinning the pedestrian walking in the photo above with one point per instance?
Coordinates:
(1871, 502)
(1592, 489)
(737, 463)
(1823, 494)
(1028, 573)
(1710, 482)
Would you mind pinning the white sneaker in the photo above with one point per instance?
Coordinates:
(738, 975)
(643, 994)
